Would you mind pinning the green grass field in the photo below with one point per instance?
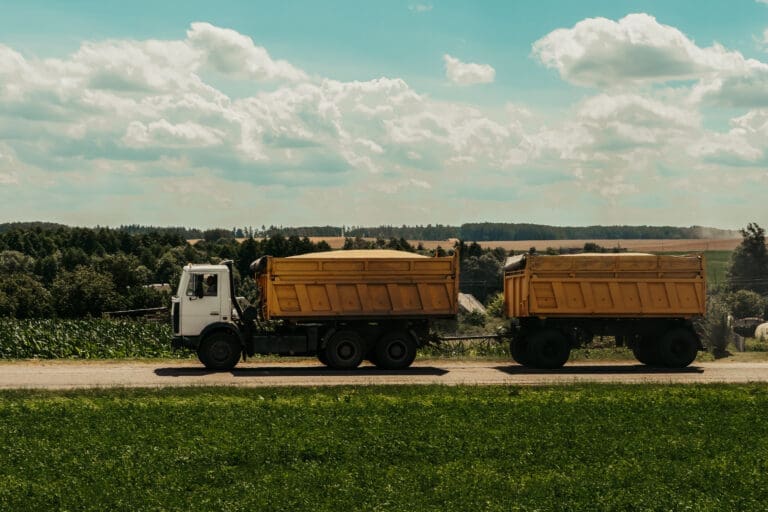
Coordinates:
(716, 263)
(387, 448)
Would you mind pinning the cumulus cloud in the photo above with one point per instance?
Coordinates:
(467, 73)
(137, 116)
(163, 133)
(232, 53)
(599, 52)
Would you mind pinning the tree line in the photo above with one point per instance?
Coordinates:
(54, 270)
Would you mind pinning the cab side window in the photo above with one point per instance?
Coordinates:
(210, 285)
(195, 285)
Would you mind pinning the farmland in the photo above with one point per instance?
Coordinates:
(644, 245)
(596, 447)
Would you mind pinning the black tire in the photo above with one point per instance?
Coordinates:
(548, 348)
(646, 351)
(395, 350)
(678, 348)
(518, 347)
(322, 356)
(344, 350)
(220, 351)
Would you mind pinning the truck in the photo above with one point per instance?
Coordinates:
(340, 306)
(646, 302)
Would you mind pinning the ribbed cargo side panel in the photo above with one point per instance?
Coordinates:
(319, 288)
(613, 286)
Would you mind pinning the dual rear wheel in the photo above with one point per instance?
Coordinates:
(346, 349)
(676, 348)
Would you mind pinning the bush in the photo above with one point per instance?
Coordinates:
(495, 306)
(715, 330)
(746, 303)
(474, 318)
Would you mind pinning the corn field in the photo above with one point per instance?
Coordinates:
(84, 339)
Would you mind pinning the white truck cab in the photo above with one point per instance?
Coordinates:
(204, 298)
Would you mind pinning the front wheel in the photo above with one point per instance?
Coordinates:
(518, 347)
(646, 351)
(220, 351)
(548, 348)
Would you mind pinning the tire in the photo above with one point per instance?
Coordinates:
(322, 356)
(678, 348)
(220, 351)
(395, 350)
(518, 347)
(344, 350)
(548, 349)
(646, 351)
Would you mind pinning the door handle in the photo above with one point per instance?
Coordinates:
(214, 313)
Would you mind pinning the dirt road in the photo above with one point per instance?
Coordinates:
(68, 374)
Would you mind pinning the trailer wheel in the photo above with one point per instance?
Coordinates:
(344, 350)
(678, 348)
(219, 351)
(518, 347)
(646, 351)
(394, 351)
(548, 348)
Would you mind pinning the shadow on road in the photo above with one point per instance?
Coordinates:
(600, 369)
(294, 371)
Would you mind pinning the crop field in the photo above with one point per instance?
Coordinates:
(387, 448)
(643, 245)
(84, 339)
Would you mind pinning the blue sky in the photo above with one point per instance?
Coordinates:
(298, 113)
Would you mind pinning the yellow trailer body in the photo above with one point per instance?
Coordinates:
(605, 285)
(359, 285)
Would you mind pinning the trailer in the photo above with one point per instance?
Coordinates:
(645, 302)
(340, 306)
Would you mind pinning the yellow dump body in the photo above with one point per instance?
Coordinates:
(359, 285)
(605, 285)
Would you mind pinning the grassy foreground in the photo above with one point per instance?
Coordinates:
(387, 448)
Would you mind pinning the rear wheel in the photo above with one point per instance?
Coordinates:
(344, 350)
(395, 351)
(548, 348)
(646, 351)
(220, 351)
(678, 347)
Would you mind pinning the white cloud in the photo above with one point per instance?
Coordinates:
(424, 7)
(232, 53)
(600, 52)
(163, 133)
(467, 73)
(124, 115)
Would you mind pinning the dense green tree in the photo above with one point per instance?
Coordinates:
(746, 303)
(749, 261)
(249, 251)
(84, 291)
(15, 262)
(23, 296)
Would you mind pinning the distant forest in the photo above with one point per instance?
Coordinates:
(479, 232)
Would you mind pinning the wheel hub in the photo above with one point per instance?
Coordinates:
(396, 350)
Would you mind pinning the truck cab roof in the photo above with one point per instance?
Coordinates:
(202, 267)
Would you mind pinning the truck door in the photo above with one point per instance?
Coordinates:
(201, 304)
